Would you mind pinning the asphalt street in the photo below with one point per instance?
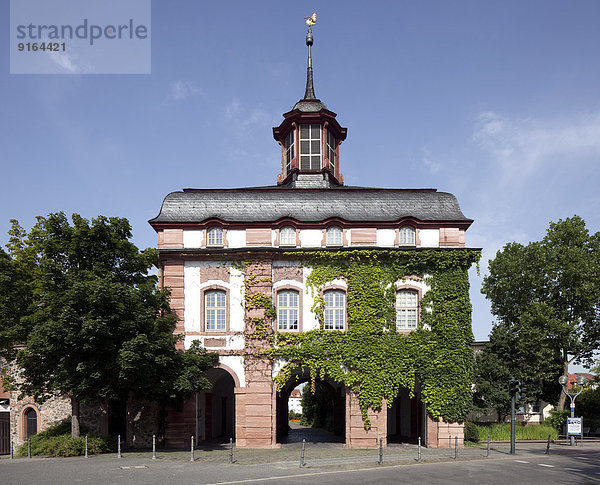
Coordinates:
(579, 465)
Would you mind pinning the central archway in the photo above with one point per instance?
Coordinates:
(406, 419)
(333, 425)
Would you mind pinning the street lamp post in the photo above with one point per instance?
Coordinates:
(564, 382)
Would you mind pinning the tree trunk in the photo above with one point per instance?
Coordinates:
(74, 417)
(563, 396)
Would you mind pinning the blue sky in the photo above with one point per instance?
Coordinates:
(495, 102)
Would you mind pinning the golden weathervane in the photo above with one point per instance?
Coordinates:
(312, 20)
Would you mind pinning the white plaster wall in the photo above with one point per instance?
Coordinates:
(191, 290)
(273, 236)
(192, 239)
(430, 238)
(236, 238)
(236, 363)
(277, 366)
(386, 237)
(311, 238)
(349, 237)
(236, 295)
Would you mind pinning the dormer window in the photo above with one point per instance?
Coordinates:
(331, 150)
(406, 237)
(215, 236)
(287, 236)
(334, 236)
(310, 147)
(290, 149)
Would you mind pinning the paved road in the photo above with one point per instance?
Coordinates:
(530, 466)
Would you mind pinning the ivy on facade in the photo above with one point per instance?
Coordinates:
(370, 357)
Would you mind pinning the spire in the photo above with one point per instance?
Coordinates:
(310, 90)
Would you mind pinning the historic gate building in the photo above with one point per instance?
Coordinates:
(220, 246)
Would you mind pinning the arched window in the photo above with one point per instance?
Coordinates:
(310, 147)
(215, 236)
(407, 309)
(215, 311)
(31, 418)
(334, 312)
(287, 310)
(287, 236)
(406, 236)
(335, 236)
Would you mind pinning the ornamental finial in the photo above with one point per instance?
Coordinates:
(310, 91)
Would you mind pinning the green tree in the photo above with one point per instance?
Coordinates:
(546, 297)
(97, 327)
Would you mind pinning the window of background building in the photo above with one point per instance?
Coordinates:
(334, 313)
(215, 311)
(287, 310)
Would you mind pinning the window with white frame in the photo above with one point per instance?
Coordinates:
(407, 236)
(287, 236)
(215, 311)
(310, 147)
(215, 236)
(334, 236)
(290, 149)
(287, 310)
(334, 311)
(407, 309)
(331, 150)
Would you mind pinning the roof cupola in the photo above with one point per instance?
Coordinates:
(310, 137)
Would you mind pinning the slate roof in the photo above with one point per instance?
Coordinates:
(269, 204)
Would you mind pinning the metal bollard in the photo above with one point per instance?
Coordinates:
(548, 446)
(455, 447)
(419, 451)
(487, 452)
(302, 454)
(154, 447)
(12, 450)
(28, 448)
(192, 449)
(86, 448)
(118, 446)
(380, 451)
(230, 451)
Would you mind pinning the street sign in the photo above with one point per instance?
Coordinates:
(574, 426)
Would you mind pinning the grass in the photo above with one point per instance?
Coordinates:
(501, 431)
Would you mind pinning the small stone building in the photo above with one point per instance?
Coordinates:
(217, 246)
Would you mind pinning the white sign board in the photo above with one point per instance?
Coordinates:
(574, 426)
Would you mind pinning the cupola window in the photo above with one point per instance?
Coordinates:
(290, 149)
(310, 147)
(331, 150)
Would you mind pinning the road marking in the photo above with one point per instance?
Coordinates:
(543, 464)
(582, 457)
(131, 467)
(521, 461)
(573, 469)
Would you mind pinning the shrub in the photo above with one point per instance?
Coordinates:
(57, 441)
(471, 432)
(558, 419)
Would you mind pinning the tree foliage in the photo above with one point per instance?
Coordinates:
(546, 297)
(97, 327)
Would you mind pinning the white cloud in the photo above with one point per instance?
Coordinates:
(180, 90)
(522, 147)
(432, 165)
